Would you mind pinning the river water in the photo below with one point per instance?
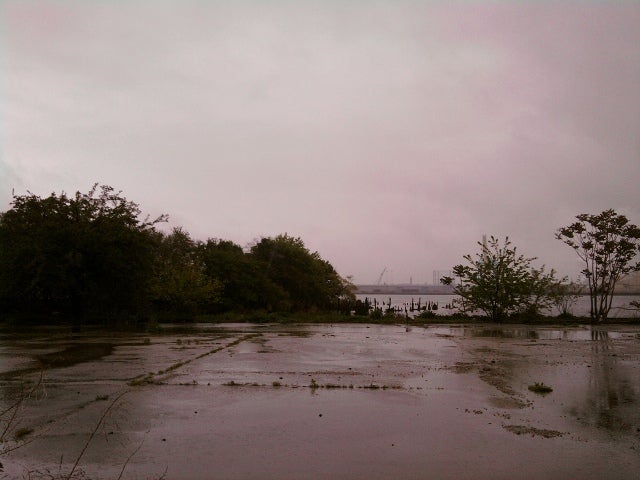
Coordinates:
(581, 308)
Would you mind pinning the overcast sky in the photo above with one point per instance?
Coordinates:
(383, 133)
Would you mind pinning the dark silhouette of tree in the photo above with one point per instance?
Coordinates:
(87, 254)
(245, 285)
(309, 281)
(91, 257)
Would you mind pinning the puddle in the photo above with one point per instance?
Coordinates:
(74, 354)
(594, 375)
(453, 394)
(537, 333)
(67, 357)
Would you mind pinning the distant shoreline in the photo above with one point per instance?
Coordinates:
(408, 289)
(404, 289)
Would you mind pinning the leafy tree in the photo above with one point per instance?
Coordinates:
(75, 255)
(499, 282)
(608, 246)
(565, 295)
(180, 285)
(309, 281)
(545, 291)
(245, 285)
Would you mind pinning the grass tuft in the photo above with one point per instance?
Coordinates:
(540, 388)
(20, 433)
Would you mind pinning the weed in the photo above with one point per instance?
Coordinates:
(231, 383)
(102, 398)
(20, 433)
(276, 384)
(540, 388)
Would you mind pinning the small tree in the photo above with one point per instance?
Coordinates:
(565, 295)
(544, 290)
(499, 282)
(608, 246)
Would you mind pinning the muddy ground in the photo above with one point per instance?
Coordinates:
(322, 401)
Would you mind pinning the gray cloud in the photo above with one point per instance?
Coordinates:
(384, 134)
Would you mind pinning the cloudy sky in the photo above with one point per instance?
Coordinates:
(383, 133)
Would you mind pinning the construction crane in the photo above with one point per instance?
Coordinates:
(381, 275)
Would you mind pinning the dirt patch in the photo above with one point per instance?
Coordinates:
(540, 432)
(463, 367)
(506, 402)
(493, 368)
(495, 377)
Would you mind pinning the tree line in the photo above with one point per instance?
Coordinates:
(93, 257)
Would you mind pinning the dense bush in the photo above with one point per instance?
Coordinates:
(89, 256)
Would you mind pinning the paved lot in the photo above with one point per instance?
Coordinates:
(325, 401)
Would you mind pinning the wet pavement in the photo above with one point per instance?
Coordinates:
(245, 401)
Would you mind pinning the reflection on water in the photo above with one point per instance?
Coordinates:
(228, 329)
(583, 333)
(602, 390)
(611, 401)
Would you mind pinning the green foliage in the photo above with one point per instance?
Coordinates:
(76, 255)
(540, 388)
(564, 296)
(499, 282)
(307, 281)
(245, 285)
(427, 315)
(180, 284)
(89, 257)
(608, 246)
